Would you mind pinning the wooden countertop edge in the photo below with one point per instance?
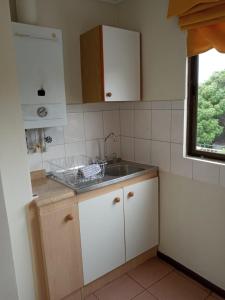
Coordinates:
(66, 193)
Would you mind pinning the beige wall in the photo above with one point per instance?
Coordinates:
(163, 48)
(193, 225)
(74, 17)
(8, 288)
(15, 179)
(192, 222)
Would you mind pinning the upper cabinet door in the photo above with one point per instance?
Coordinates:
(121, 52)
(141, 217)
(111, 64)
(102, 234)
(39, 58)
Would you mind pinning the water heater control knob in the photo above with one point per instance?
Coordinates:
(42, 112)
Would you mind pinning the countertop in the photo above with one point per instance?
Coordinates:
(51, 191)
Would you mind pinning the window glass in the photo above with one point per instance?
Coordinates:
(207, 96)
(211, 101)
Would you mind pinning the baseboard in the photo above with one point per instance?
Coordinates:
(192, 274)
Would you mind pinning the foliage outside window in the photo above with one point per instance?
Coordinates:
(206, 106)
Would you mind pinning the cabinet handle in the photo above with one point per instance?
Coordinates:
(109, 94)
(116, 200)
(68, 218)
(130, 195)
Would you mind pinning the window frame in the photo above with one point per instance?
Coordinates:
(192, 111)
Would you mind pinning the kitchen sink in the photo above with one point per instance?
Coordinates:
(114, 173)
(122, 170)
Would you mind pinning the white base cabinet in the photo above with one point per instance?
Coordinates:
(141, 217)
(102, 234)
(118, 226)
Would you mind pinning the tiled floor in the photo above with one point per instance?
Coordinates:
(153, 280)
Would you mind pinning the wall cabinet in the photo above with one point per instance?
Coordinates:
(102, 234)
(118, 226)
(110, 65)
(40, 68)
(60, 239)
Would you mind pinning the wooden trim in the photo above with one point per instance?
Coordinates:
(113, 187)
(41, 291)
(92, 72)
(102, 68)
(132, 264)
(209, 285)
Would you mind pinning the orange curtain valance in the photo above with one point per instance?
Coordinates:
(205, 22)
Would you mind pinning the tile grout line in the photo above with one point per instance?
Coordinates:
(146, 288)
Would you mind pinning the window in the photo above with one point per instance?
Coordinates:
(206, 106)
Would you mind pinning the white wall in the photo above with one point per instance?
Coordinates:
(163, 48)
(74, 17)
(192, 222)
(15, 177)
(8, 288)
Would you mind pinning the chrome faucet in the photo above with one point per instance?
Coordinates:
(109, 136)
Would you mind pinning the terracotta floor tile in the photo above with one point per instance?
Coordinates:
(145, 296)
(150, 272)
(123, 288)
(91, 297)
(176, 287)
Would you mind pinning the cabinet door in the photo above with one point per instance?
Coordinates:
(39, 59)
(102, 234)
(121, 52)
(141, 217)
(61, 247)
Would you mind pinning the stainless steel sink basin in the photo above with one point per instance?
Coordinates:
(114, 173)
(122, 170)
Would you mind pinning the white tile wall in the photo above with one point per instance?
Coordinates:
(77, 148)
(93, 125)
(142, 124)
(111, 122)
(35, 161)
(180, 165)
(147, 132)
(127, 148)
(160, 155)
(142, 151)
(127, 122)
(74, 131)
(87, 125)
(53, 152)
(177, 126)
(161, 125)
